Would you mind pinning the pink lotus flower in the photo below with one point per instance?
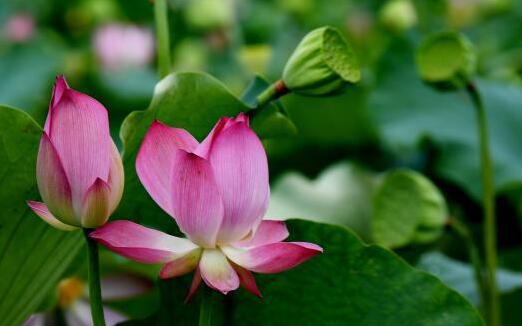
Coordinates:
(20, 28)
(79, 169)
(119, 46)
(217, 191)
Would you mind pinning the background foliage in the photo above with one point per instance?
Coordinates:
(328, 156)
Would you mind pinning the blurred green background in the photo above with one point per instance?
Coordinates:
(344, 143)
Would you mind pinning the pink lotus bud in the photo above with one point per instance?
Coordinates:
(79, 169)
(19, 28)
(217, 191)
(123, 46)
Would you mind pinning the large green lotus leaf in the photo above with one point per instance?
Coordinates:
(407, 110)
(349, 284)
(192, 101)
(33, 255)
(459, 275)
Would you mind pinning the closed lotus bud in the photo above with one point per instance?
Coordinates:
(79, 169)
(446, 60)
(323, 63)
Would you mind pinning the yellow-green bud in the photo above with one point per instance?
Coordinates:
(210, 14)
(322, 63)
(255, 57)
(398, 15)
(446, 60)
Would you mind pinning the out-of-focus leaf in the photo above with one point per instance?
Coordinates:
(459, 275)
(342, 119)
(511, 313)
(407, 110)
(33, 255)
(271, 122)
(329, 129)
(400, 208)
(432, 14)
(407, 208)
(341, 194)
(192, 101)
(349, 284)
(27, 72)
(129, 87)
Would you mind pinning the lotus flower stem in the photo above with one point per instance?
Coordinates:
(162, 37)
(205, 312)
(463, 231)
(273, 92)
(493, 307)
(94, 281)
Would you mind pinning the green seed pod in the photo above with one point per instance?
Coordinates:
(446, 60)
(323, 63)
(407, 208)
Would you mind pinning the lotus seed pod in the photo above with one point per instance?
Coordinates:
(446, 60)
(323, 63)
(407, 208)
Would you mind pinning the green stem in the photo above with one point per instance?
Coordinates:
(167, 292)
(205, 312)
(94, 281)
(462, 230)
(162, 37)
(488, 198)
(273, 92)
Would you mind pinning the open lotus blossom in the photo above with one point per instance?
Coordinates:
(79, 169)
(218, 192)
